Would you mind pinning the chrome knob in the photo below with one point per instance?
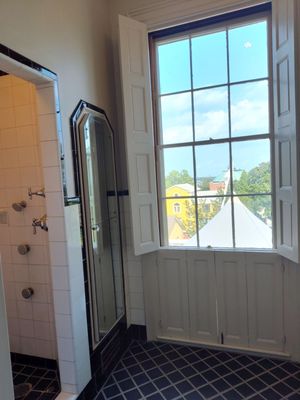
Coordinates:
(23, 249)
(27, 293)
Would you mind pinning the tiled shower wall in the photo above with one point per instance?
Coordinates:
(31, 322)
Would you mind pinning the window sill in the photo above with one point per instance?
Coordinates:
(219, 250)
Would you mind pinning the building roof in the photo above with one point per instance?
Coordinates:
(184, 186)
(250, 231)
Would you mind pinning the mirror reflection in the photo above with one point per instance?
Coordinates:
(101, 223)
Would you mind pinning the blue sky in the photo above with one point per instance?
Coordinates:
(249, 101)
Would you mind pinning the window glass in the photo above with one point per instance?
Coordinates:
(211, 113)
(176, 118)
(252, 168)
(215, 222)
(216, 189)
(180, 220)
(174, 67)
(249, 108)
(248, 53)
(178, 177)
(213, 169)
(209, 55)
(253, 221)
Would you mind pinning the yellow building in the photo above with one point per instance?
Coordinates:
(176, 205)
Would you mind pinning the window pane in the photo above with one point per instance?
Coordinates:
(180, 221)
(252, 169)
(178, 178)
(176, 118)
(248, 54)
(215, 222)
(253, 221)
(211, 113)
(174, 66)
(212, 166)
(209, 55)
(249, 109)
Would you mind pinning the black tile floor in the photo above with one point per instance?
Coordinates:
(45, 382)
(158, 371)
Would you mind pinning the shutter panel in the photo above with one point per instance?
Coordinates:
(135, 74)
(286, 160)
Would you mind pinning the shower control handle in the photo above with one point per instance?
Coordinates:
(23, 249)
(27, 293)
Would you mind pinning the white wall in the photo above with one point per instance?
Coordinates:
(71, 38)
(30, 321)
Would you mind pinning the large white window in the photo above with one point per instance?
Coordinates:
(214, 136)
(215, 146)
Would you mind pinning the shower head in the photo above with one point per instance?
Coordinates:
(19, 206)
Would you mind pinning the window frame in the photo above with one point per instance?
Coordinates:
(233, 19)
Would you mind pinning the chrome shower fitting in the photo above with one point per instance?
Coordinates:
(23, 249)
(40, 192)
(40, 222)
(19, 206)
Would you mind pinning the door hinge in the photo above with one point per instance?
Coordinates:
(222, 338)
(283, 266)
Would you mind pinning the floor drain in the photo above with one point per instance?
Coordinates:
(22, 390)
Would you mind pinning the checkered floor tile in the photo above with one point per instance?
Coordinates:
(44, 382)
(160, 371)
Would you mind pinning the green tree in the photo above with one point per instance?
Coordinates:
(178, 177)
(257, 180)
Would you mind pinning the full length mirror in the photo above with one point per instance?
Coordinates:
(101, 227)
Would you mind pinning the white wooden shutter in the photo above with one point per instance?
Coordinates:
(135, 75)
(286, 160)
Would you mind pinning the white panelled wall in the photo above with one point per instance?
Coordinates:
(239, 300)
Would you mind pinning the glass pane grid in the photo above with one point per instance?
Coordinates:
(217, 120)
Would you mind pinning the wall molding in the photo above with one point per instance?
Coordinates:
(167, 13)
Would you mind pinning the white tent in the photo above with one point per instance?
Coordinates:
(250, 231)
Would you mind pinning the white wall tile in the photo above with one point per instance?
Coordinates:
(47, 127)
(63, 325)
(67, 372)
(57, 232)
(62, 303)
(60, 278)
(24, 115)
(58, 253)
(26, 136)
(66, 349)
(54, 204)
(9, 138)
(21, 95)
(45, 100)
(7, 118)
(50, 153)
(42, 330)
(40, 312)
(39, 274)
(21, 273)
(52, 179)
(25, 309)
(26, 328)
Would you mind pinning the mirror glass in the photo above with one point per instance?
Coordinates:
(101, 223)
